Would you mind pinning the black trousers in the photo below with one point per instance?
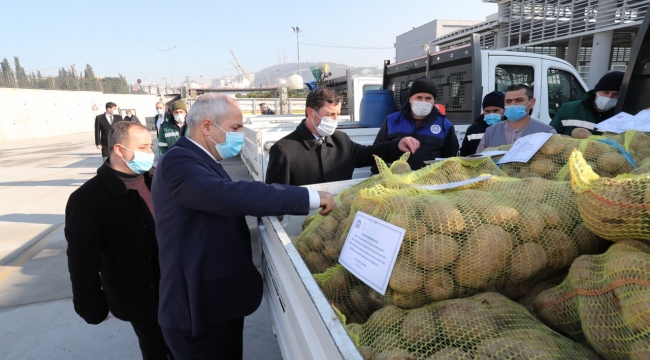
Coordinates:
(222, 341)
(151, 340)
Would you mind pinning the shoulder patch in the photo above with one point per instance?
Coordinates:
(435, 129)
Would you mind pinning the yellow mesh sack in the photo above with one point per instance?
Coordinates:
(605, 302)
(607, 156)
(486, 326)
(613, 208)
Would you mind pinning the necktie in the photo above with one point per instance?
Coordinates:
(110, 119)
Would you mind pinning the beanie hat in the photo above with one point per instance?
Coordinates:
(179, 105)
(611, 81)
(423, 85)
(495, 98)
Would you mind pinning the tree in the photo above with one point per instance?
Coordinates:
(115, 85)
(21, 76)
(7, 74)
(90, 80)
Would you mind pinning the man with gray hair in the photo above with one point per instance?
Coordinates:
(112, 249)
(208, 280)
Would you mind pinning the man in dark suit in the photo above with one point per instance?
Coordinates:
(103, 124)
(208, 280)
(315, 153)
(265, 110)
(112, 250)
(130, 117)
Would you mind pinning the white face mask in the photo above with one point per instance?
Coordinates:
(327, 126)
(421, 108)
(604, 103)
(180, 118)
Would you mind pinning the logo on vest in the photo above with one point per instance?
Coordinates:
(435, 129)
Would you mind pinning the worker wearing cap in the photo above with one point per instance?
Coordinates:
(420, 119)
(578, 118)
(493, 108)
(173, 127)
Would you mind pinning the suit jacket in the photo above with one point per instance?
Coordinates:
(112, 250)
(298, 159)
(134, 119)
(102, 127)
(207, 273)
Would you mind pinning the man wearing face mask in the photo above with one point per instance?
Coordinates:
(173, 128)
(493, 109)
(160, 116)
(577, 118)
(420, 119)
(209, 282)
(103, 124)
(519, 102)
(130, 117)
(112, 249)
(316, 153)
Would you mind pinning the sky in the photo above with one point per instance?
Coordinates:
(124, 36)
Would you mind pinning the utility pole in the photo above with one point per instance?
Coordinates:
(297, 31)
(169, 63)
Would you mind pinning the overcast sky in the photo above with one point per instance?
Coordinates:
(122, 36)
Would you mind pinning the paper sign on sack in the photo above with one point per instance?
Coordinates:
(525, 147)
(616, 124)
(371, 249)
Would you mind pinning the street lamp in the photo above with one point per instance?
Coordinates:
(426, 48)
(297, 31)
(169, 63)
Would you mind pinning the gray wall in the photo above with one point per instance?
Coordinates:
(29, 113)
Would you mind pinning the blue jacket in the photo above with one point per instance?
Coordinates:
(435, 133)
(207, 273)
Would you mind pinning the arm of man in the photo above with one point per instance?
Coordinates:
(193, 185)
(83, 235)
(162, 140)
(481, 145)
(387, 151)
(556, 123)
(451, 144)
(97, 135)
(277, 171)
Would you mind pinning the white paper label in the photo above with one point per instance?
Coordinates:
(491, 153)
(640, 122)
(370, 250)
(525, 147)
(456, 184)
(616, 124)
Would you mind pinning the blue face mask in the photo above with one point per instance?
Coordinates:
(492, 119)
(232, 146)
(141, 162)
(515, 112)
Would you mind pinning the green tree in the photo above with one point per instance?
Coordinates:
(90, 80)
(63, 80)
(291, 93)
(21, 76)
(7, 74)
(115, 85)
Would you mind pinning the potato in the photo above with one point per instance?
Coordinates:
(331, 250)
(559, 249)
(308, 221)
(482, 257)
(505, 348)
(359, 299)
(542, 167)
(388, 339)
(303, 249)
(640, 141)
(388, 318)
(400, 167)
(526, 261)
(552, 146)
(316, 262)
(629, 265)
(337, 285)
(406, 276)
(435, 251)
(420, 327)
(640, 349)
(542, 339)
(588, 242)
(595, 149)
(355, 329)
(395, 354)
(610, 162)
(531, 226)
(471, 198)
(528, 300)
(635, 311)
(438, 285)
(550, 215)
(455, 177)
(367, 352)
(500, 215)
(329, 225)
(463, 321)
(451, 353)
(441, 215)
(314, 241)
(407, 300)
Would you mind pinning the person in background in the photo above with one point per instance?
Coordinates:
(130, 117)
(519, 102)
(103, 124)
(577, 118)
(264, 110)
(112, 248)
(209, 282)
(316, 153)
(493, 108)
(172, 129)
(160, 116)
(422, 120)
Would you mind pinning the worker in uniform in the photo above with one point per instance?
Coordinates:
(493, 109)
(578, 118)
(421, 120)
(172, 128)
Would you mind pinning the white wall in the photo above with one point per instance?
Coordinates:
(408, 45)
(29, 113)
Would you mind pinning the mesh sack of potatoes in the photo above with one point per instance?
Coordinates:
(613, 208)
(605, 155)
(636, 143)
(485, 326)
(605, 302)
(502, 235)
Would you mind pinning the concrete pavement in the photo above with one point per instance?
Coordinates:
(37, 319)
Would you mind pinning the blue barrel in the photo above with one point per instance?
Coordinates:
(375, 106)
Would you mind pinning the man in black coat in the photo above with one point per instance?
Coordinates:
(493, 108)
(112, 250)
(103, 124)
(315, 153)
(130, 117)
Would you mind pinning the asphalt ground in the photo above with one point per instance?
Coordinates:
(37, 319)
